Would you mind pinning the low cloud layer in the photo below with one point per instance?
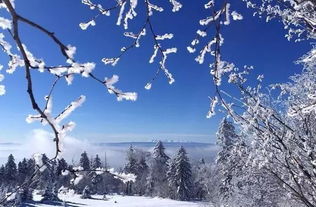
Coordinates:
(41, 141)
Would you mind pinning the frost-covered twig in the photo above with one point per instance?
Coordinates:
(30, 62)
(127, 12)
(297, 16)
(216, 20)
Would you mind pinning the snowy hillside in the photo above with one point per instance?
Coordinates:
(74, 200)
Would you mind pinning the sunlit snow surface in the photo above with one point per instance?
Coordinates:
(74, 200)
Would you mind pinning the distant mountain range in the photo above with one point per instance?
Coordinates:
(152, 144)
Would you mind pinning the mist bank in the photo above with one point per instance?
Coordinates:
(40, 141)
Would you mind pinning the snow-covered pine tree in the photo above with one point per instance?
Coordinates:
(142, 173)
(231, 165)
(22, 195)
(97, 162)
(18, 198)
(61, 166)
(157, 182)
(84, 161)
(10, 171)
(22, 171)
(62, 178)
(30, 167)
(45, 174)
(96, 179)
(136, 164)
(2, 174)
(51, 192)
(171, 178)
(226, 135)
(183, 176)
(46, 178)
(226, 138)
(201, 175)
(131, 167)
(86, 194)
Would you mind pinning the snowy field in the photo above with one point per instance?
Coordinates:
(74, 200)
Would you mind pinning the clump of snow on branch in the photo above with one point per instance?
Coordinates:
(112, 61)
(211, 112)
(152, 7)
(124, 177)
(76, 180)
(163, 63)
(136, 36)
(176, 5)
(5, 23)
(109, 83)
(15, 60)
(165, 36)
(85, 25)
(152, 58)
(38, 158)
(148, 86)
(236, 16)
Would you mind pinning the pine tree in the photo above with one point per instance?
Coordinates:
(230, 161)
(159, 153)
(45, 159)
(142, 173)
(97, 162)
(136, 164)
(10, 170)
(157, 182)
(226, 135)
(30, 167)
(182, 178)
(62, 180)
(46, 174)
(22, 171)
(201, 176)
(84, 161)
(131, 165)
(49, 181)
(51, 192)
(226, 138)
(2, 174)
(23, 194)
(86, 193)
(61, 166)
(171, 179)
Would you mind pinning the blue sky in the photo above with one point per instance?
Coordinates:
(166, 111)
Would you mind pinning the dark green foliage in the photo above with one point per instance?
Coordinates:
(97, 162)
(180, 176)
(84, 161)
(10, 170)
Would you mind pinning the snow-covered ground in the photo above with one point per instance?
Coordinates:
(74, 200)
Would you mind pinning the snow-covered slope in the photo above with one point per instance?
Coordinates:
(74, 200)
